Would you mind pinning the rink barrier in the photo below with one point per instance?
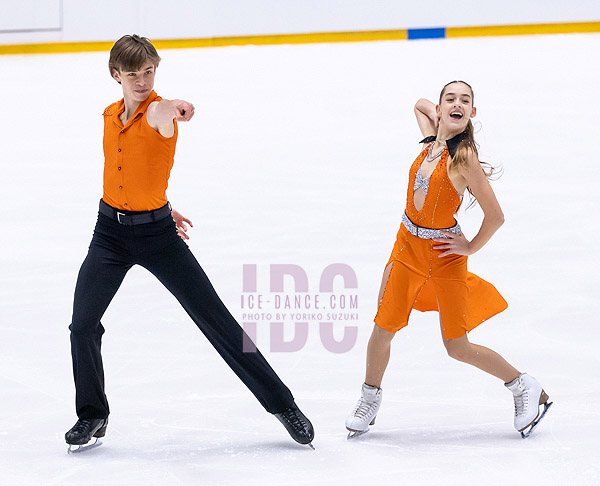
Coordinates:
(318, 38)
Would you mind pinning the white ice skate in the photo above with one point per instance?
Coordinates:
(528, 395)
(365, 412)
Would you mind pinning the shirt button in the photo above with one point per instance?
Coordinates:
(122, 131)
(119, 168)
(125, 204)
(118, 150)
(120, 187)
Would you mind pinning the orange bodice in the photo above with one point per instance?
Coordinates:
(442, 200)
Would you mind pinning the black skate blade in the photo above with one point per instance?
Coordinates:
(78, 449)
(353, 434)
(525, 435)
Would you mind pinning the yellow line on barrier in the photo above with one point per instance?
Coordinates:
(525, 29)
(314, 38)
(55, 47)
(322, 37)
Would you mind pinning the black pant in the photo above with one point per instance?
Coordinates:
(114, 249)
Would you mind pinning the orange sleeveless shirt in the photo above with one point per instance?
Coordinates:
(137, 159)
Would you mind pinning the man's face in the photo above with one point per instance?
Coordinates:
(137, 85)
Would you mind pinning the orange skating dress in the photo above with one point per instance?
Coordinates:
(419, 279)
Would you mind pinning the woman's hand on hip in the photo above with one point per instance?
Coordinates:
(453, 244)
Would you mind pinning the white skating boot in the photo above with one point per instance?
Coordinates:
(528, 395)
(365, 411)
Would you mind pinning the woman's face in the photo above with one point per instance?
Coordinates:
(456, 107)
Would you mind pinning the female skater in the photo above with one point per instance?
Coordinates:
(136, 225)
(427, 269)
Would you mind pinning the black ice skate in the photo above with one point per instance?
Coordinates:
(298, 426)
(85, 433)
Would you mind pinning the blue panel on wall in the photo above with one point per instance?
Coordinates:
(438, 33)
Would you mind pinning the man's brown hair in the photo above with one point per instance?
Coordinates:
(130, 52)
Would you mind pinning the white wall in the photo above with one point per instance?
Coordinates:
(29, 15)
(84, 20)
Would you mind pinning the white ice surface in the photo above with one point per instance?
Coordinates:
(299, 154)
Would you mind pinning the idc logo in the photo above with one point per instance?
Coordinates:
(288, 301)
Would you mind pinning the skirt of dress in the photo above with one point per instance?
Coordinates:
(420, 280)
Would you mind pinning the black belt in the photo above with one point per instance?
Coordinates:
(129, 219)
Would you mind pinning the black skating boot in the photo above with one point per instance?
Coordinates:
(82, 432)
(298, 426)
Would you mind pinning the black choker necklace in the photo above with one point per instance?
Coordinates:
(451, 143)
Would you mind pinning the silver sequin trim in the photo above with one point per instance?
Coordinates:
(421, 182)
(428, 233)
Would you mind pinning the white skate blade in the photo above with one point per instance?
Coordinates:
(353, 434)
(77, 449)
(311, 446)
(525, 434)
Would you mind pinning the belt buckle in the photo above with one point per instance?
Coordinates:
(119, 217)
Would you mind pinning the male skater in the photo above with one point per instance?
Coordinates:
(136, 225)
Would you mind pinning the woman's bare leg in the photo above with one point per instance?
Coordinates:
(378, 349)
(481, 357)
(378, 355)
